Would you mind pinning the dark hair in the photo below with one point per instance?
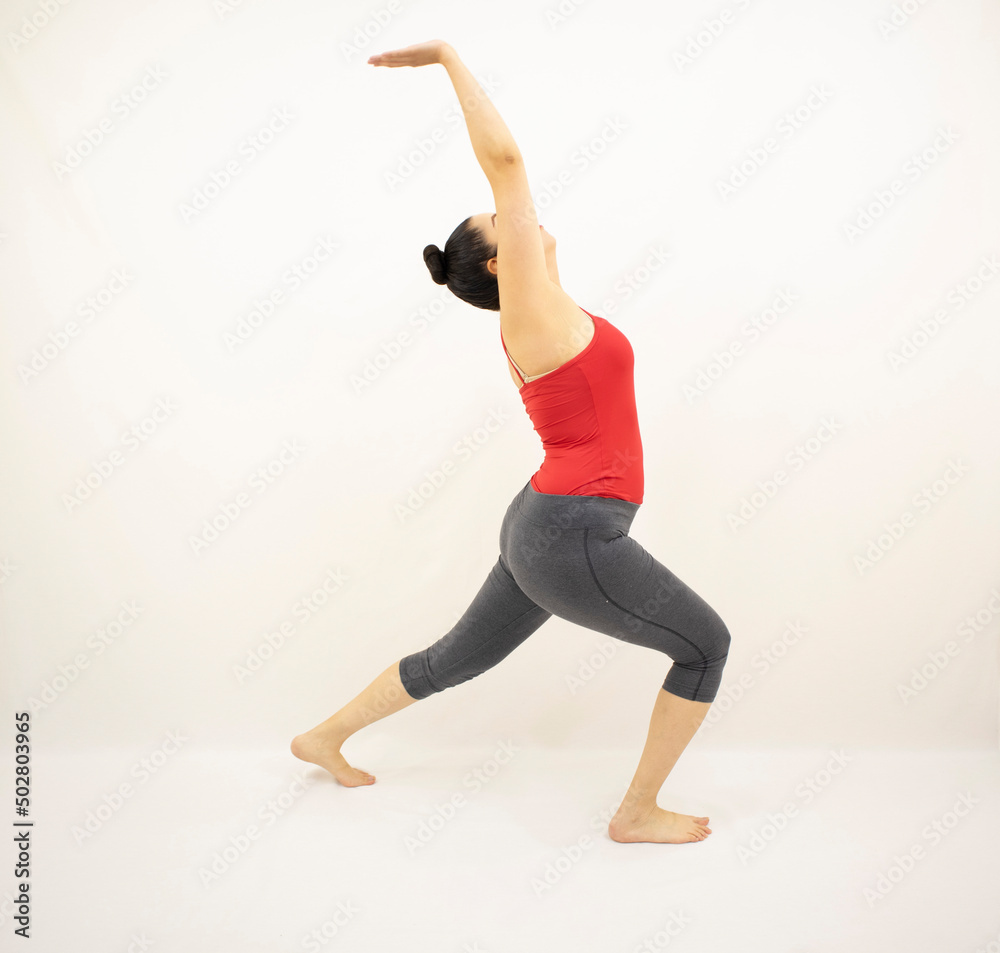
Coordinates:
(462, 266)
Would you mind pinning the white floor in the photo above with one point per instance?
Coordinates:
(194, 859)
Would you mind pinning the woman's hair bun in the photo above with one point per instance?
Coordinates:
(434, 259)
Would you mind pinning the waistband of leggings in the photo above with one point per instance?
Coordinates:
(574, 512)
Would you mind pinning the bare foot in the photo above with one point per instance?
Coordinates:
(659, 827)
(317, 748)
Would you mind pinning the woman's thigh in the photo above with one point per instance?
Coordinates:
(603, 579)
(499, 618)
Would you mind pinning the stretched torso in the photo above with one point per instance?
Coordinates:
(584, 412)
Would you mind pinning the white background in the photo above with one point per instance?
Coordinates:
(338, 171)
(410, 573)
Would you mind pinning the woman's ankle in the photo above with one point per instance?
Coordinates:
(333, 731)
(635, 806)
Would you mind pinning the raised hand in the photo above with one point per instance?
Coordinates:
(420, 54)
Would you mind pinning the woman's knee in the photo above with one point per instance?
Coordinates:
(431, 670)
(414, 674)
(699, 678)
(719, 639)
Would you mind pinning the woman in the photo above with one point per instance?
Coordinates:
(564, 543)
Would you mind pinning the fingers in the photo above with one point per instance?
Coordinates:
(395, 55)
(388, 59)
(420, 54)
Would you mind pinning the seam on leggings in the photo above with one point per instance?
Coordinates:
(593, 575)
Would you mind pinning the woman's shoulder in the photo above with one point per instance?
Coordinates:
(546, 338)
(551, 312)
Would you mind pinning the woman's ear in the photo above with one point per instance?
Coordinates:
(491, 266)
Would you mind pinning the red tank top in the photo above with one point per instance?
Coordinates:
(584, 411)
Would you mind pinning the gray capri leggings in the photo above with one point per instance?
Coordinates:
(571, 556)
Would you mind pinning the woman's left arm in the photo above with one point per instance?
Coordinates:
(492, 141)
(527, 292)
